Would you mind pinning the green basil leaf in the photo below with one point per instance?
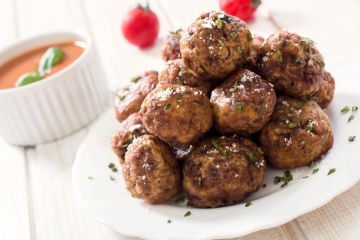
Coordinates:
(51, 57)
(28, 78)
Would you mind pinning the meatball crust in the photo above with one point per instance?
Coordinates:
(298, 133)
(243, 104)
(178, 115)
(129, 99)
(150, 170)
(292, 63)
(254, 51)
(215, 45)
(175, 72)
(171, 47)
(129, 129)
(325, 94)
(222, 171)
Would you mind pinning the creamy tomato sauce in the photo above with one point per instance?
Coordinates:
(29, 62)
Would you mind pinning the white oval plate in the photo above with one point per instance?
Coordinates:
(271, 206)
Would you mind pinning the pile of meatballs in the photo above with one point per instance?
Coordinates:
(226, 104)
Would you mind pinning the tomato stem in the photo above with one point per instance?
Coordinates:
(145, 7)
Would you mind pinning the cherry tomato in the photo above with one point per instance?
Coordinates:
(243, 9)
(141, 26)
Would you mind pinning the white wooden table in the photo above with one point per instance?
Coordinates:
(36, 198)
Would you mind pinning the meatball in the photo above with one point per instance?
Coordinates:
(178, 115)
(292, 63)
(150, 170)
(129, 129)
(215, 45)
(325, 94)
(171, 48)
(298, 133)
(222, 171)
(243, 104)
(129, 99)
(254, 51)
(175, 72)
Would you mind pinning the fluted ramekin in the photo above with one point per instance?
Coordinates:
(57, 105)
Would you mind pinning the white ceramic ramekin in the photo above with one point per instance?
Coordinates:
(57, 105)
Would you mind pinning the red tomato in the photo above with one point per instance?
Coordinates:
(141, 26)
(243, 9)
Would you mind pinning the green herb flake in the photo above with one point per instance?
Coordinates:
(187, 214)
(91, 178)
(189, 204)
(297, 59)
(170, 90)
(239, 50)
(279, 56)
(250, 38)
(351, 138)
(218, 146)
(221, 43)
(135, 79)
(307, 42)
(354, 108)
(322, 64)
(233, 34)
(351, 118)
(239, 106)
(305, 177)
(345, 110)
(331, 171)
(250, 155)
(285, 179)
(177, 31)
(309, 127)
(167, 106)
(112, 167)
(293, 125)
(168, 221)
(180, 200)
(299, 105)
(260, 151)
(248, 204)
(219, 23)
(315, 171)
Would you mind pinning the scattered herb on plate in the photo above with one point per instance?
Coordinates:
(352, 138)
(351, 118)
(345, 110)
(248, 204)
(315, 171)
(331, 171)
(187, 214)
(285, 179)
(169, 221)
(112, 167)
(91, 178)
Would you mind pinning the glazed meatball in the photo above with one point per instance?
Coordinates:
(171, 48)
(178, 115)
(292, 63)
(222, 171)
(298, 133)
(150, 170)
(215, 45)
(175, 72)
(254, 51)
(243, 104)
(129, 129)
(129, 99)
(325, 94)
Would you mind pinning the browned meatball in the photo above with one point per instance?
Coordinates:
(222, 171)
(292, 63)
(178, 115)
(215, 45)
(175, 72)
(129, 99)
(254, 51)
(243, 104)
(325, 94)
(150, 170)
(171, 48)
(298, 133)
(129, 129)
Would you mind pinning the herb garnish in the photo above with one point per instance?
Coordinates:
(239, 106)
(248, 204)
(91, 178)
(168, 221)
(345, 109)
(187, 214)
(288, 177)
(112, 178)
(219, 23)
(170, 90)
(279, 56)
(352, 138)
(218, 146)
(167, 106)
(305, 177)
(260, 151)
(177, 31)
(221, 43)
(233, 34)
(135, 79)
(351, 118)
(293, 125)
(180, 200)
(354, 108)
(112, 167)
(315, 171)
(322, 64)
(250, 38)
(309, 126)
(239, 50)
(250, 155)
(331, 171)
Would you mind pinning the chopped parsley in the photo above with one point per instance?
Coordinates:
(260, 151)
(315, 171)
(177, 31)
(239, 106)
(285, 179)
(91, 178)
(219, 23)
(218, 147)
(305, 177)
(307, 42)
(112, 178)
(299, 105)
(250, 155)
(239, 50)
(112, 167)
(167, 106)
(187, 214)
(293, 125)
(351, 118)
(309, 126)
(279, 56)
(170, 90)
(322, 64)
(249, 36)
(121, 97)
(331, 171)
(297, 59)
(352, 138)
(180, 200)
(135, 79)
(168, 221)
(233, 34)
(345, 109)
(221, 43)
(248, 204)
(354, 108)
(189, 204)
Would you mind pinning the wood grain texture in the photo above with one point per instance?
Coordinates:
(37, 201)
